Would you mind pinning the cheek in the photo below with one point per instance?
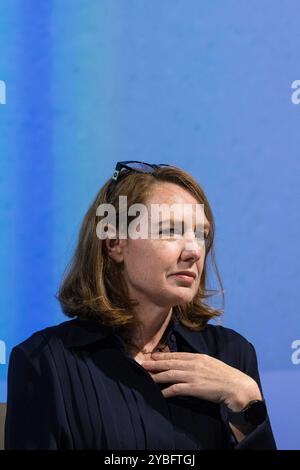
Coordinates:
(150, 261)
(139, 256)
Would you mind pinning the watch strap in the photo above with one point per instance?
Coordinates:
(255, 413)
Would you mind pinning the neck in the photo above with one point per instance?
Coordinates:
(149, 329)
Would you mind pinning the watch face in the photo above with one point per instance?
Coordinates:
(256, 413)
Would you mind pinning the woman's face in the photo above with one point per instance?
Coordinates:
(150, 264)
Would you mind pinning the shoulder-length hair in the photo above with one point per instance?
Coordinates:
(93, 286)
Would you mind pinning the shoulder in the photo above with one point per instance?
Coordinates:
(42, 343)
(229, 345)
(55, 342)
(225, 336)
(42, 338)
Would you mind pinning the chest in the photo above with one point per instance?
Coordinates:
(115, 404)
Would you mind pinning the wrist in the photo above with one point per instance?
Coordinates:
(242, 395)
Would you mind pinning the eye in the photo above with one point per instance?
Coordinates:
(205, 236)
(170, 232)
(199, 235)
(202, 239)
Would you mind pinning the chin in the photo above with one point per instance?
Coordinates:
(184, 299)
(179, 295)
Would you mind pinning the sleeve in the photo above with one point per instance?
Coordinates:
(262, 436)
(28, 422)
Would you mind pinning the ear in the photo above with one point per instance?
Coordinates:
(115, 248)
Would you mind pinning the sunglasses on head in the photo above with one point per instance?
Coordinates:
(130, 166)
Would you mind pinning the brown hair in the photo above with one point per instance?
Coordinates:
(93, 285)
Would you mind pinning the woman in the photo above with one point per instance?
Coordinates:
(139, 366)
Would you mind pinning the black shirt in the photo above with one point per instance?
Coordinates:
(74, 386)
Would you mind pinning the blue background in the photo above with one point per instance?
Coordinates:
(205, 85)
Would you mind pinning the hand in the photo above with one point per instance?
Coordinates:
(204, 377)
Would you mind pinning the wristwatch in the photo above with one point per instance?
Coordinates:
(254, 413)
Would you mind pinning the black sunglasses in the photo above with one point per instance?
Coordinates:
(130, 166)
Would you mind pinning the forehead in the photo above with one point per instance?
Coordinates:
(170, 193)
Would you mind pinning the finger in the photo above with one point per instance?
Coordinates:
(165, 365)
(172, 376)
(176, 390)
(173, 355)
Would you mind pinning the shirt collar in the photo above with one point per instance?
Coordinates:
(85, 332)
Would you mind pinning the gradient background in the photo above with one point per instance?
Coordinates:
(205, 85)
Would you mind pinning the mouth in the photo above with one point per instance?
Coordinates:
(185, 274)
(186, 277)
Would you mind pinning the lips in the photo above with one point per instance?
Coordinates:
(185, 273)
